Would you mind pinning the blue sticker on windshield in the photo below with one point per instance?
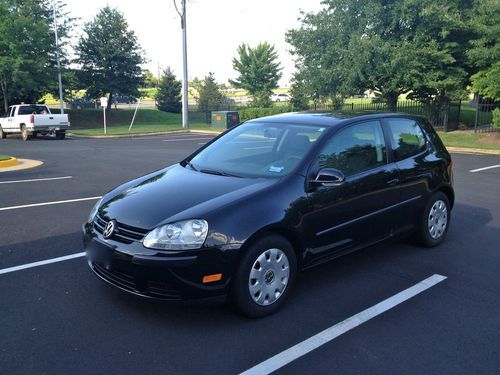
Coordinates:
(272, 168)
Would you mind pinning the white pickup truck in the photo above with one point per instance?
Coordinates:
(31, 120)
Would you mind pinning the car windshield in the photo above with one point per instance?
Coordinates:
(257, 149)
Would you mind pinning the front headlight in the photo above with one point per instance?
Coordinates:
(182, 235)
(93, 212)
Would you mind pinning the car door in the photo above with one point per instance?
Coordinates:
(9, 124)
(356, 211)
(413, 158)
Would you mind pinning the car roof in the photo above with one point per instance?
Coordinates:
(326, 119)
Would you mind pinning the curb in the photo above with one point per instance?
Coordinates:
(145, 134)
(20, 165)
(475, 151)
(9, 162)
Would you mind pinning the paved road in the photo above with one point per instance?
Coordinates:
(59, 318)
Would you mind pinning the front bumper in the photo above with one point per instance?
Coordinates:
(158, 274)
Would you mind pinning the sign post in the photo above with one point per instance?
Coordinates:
(104, 105)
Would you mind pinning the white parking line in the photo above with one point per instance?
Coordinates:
(36, 180)
(41, 263)
(48, 203)
(186, 139)
(322, 338)
(485, 168)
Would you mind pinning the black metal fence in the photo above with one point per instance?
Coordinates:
(472, 115)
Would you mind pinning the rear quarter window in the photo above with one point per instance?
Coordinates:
(406, 136)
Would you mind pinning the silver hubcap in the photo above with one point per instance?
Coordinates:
(438, 218)
(269, 277)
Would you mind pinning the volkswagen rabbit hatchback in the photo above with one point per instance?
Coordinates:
(245, 213)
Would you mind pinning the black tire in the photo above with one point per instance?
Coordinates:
(61, 135)
(240, 289)
(34, 134)
(25, 135)
(426, 236)
(3, 135)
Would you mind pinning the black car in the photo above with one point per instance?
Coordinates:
(267, 198)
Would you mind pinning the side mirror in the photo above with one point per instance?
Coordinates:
(329, 177)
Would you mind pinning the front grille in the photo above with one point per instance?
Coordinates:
(162, 290)
(123, 233)
(150, 288)
(115, 277)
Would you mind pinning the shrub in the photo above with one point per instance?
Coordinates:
(251, 113)
(496, 118)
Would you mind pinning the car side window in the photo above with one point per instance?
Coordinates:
(356, 149)
(406, 136)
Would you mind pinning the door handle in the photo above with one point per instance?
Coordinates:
(394, 181)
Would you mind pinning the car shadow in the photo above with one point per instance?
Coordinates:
(343, 279)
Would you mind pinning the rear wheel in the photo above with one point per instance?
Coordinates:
(265, 276)
(3, 135)
(61, 135)
(24, 133)
(34, 134)
(435, 220)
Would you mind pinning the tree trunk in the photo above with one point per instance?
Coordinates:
(5, 94)
(110, 101)
(392, 101)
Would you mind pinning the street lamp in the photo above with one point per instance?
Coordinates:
(184, 64)
(57, 58)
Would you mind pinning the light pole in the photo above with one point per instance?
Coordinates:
(61, 101)
(184, 64)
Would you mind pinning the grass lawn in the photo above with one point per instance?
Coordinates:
(490, 141)
(138, 129)
(93, 118)
(148, 120)
(4, 157)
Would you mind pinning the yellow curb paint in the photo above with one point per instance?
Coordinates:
(9, 162)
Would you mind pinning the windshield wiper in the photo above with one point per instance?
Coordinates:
(218, 173)
(192, 166)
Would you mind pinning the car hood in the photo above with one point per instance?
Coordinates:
(176, 193)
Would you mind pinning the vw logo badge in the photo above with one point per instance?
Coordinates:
(109, 229)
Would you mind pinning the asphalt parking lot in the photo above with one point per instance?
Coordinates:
(59, 318)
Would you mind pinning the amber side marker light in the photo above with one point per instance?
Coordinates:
(212, 278)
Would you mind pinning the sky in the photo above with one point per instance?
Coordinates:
(215, 28)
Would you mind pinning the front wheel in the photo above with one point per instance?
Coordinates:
(265, 276)
(435, 220)
(24, 133)
(61, 135)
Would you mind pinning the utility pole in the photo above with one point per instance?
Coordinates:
(184, 64)
(61, 100)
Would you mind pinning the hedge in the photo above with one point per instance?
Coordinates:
(251, 113)
(496, 118)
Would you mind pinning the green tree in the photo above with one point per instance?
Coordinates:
(168, 97)
(27, 48)
(149, 80)
(110, 56)
(259, 71)
(485, 52)
(209, 93)
(388, 46)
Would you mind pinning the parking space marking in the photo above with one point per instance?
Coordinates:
(48, 203)
(36, 180)
(484, 168)
(186, 139)
(322, 338)
(41, 263)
